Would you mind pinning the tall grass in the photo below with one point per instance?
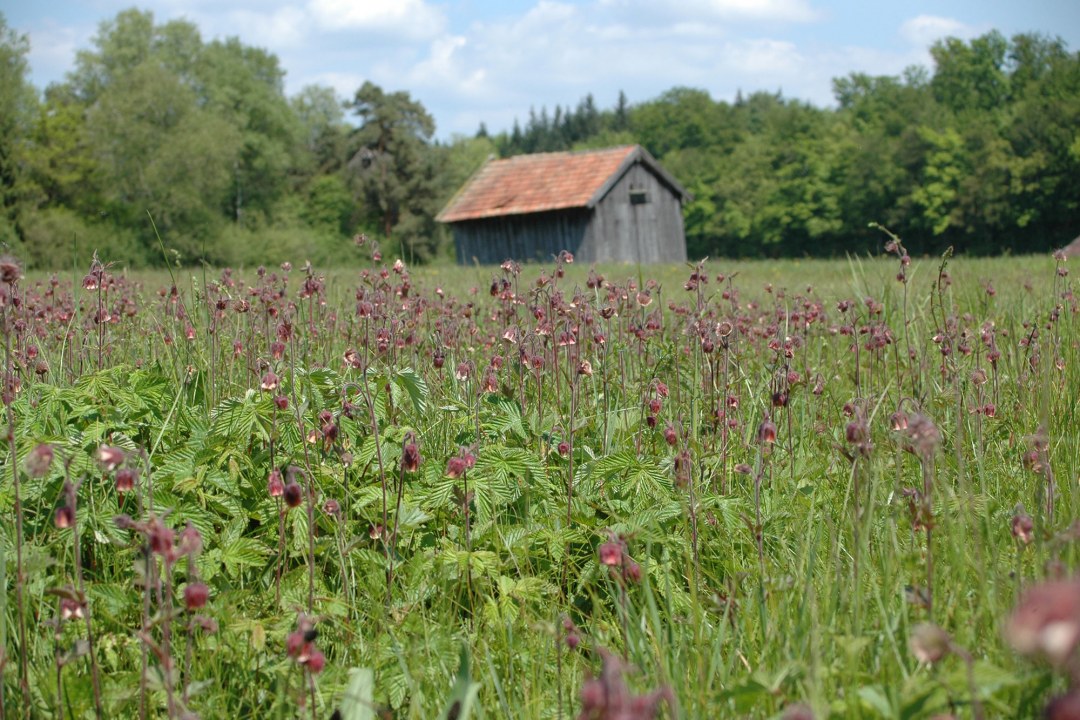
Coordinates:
(752, 485)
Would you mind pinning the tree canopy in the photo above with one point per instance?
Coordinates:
(980, 151)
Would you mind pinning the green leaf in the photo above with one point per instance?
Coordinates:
(242, 552)
(873, 697)
(414, 386)
(462, 697)
(358, 701)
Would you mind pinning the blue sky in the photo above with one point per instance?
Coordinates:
(469, 61)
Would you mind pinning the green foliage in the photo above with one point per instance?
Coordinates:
(394, 173)
(977, 152)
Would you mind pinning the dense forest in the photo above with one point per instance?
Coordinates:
(159, 147)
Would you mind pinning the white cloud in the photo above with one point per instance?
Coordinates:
(445, 69)
(52, 51)
(345, 84)
(708, 11)
(286, 27)
(923, 30)
(414, 19)
(764, 57)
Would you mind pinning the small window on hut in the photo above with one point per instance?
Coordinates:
(638, 196)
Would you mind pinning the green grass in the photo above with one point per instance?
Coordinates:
(818, 611)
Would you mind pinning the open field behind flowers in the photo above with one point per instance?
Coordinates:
(802, 489)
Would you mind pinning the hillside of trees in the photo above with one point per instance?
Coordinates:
(981, 151)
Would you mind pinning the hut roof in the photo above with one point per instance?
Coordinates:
(547, 181)
(1073, 248)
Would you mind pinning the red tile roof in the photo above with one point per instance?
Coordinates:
(536, 183)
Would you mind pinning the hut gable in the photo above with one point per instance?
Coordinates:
(615, 205)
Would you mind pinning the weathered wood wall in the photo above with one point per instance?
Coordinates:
(538, 236)
(648, 232)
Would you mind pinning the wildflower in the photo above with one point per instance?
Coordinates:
(572, 638)
(1063, 707)
(564, 448)
(125, 480)
(1022, 526)
(766, 434)
(352, 359)
(292, 494)
(608, 698)
(410, 457)
(10, 272)
(110, 457)
(610, 553)
(300, 645)
(270, 381)
(455, 467)
(631, 571)
(316, 662)
(332, 507)
(929, 643)
(923, 435)
(857, 433)
(39, 460)
(670, 436)
(190, 543)
(64, 517)
(195, 595)
(585, 368)
(275, 486)
(798, 711)
(161, 537)
(1047, 621)
(72, 609)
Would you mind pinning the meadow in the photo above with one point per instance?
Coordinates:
(831, 489)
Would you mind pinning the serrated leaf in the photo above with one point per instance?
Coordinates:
(414, 386)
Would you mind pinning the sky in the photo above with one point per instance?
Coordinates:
(490, 61)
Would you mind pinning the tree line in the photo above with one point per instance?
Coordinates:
(159, 146)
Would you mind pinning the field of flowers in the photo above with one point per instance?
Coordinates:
(801, 489)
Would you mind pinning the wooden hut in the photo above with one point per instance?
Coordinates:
(614, 205)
